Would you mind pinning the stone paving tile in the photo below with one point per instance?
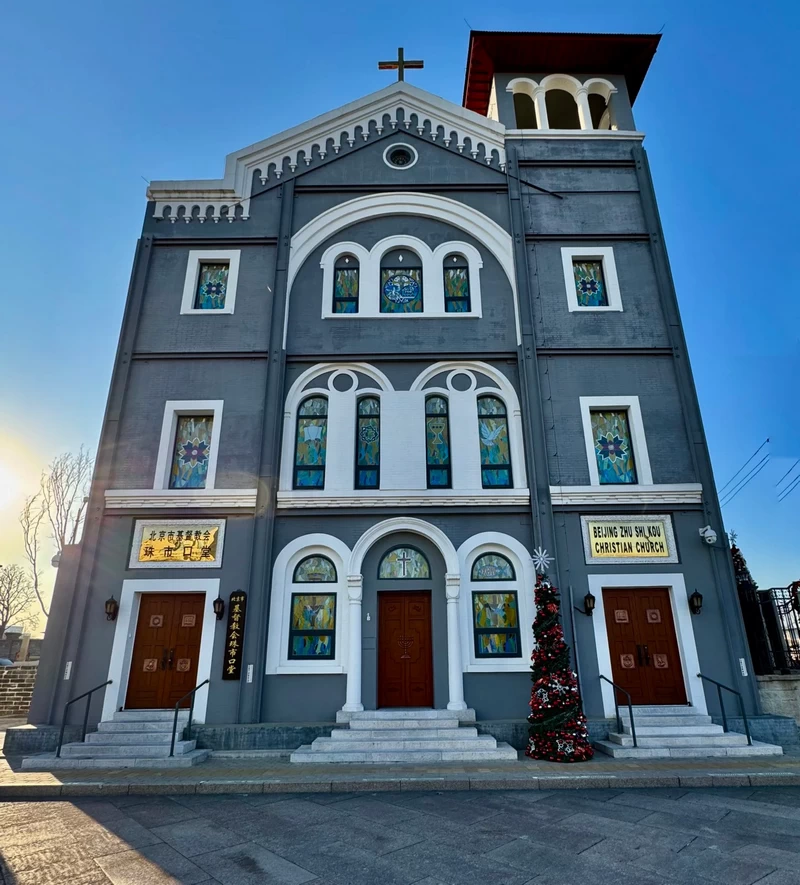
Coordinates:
(342, 863)
(199, 836)
(615, 811)
(158, 811)
(374, 809)
(636, 835)
(251, 864)
(439, 830)
(776, 857)
(466, 806)
(779, 877)
(563, 834)
(732, 803)
(697, 811)
(156, 865)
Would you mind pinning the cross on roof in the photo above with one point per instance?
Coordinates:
(400, 65)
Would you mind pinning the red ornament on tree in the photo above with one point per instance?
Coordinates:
(557, 729)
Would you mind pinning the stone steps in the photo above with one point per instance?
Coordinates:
(412, 736)
(677, 732)
(93, 750)
(123, 738)
(164, 727)
(48, 762)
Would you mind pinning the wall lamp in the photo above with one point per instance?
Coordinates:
(588, 605)
(219, 607)
(696, 603)
(112, 607)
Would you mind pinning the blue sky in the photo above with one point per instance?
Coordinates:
(98, 96)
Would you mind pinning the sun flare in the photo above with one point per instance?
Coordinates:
(10, 486)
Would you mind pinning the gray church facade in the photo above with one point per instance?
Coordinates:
(366, 380)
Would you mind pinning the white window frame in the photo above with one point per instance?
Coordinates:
(635, 425)
(173, 409)
(209, 256)
(604, 254)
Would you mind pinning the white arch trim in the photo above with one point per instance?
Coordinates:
(370, 275)
(326, 224)
(520, 558)
(338, 552)
(405, 524)
(579, 91)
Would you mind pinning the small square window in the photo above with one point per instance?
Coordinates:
(590, 284)
(212, 286)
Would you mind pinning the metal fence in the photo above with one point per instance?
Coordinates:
(782, 626)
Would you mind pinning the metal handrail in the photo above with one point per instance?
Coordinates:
(85, 715)
(616, 707)
(191, 713)
(720, 686)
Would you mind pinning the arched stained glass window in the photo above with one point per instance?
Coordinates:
(368, 443)
(492, 567)
(496, 625)
(401, 282)
(315, 569)
(311, 443)
(494, 443)
(345, 284)
(437, 442)
(404, 563)
(456, 284)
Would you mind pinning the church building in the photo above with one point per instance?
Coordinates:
(398, 359)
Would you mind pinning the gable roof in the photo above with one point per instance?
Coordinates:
(398, 106)
(549, 53)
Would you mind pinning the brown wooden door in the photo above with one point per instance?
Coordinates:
(405, 664)
(644, 649)
(165, 650)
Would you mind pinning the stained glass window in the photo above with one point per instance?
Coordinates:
(456, 284)
(437, 442)
(191, 452)
(212, 286)
(345, 285)
(404, 562)
(496, 622)
(613, 447)
(312, 630)
(315, 569)
(494, 444)
(311, 443)
(401, 282)
(492, 567)
(590, 284)
(368, 443)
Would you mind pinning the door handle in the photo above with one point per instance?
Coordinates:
(164, 658)
(171, 658)
(639, 655)
(646, 656)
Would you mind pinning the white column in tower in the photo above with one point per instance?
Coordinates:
(354, 594)
(584, 111)
(541, 107)
(455, 676)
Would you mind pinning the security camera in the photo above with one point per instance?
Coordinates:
(708, 535)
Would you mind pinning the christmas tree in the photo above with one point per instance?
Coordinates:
(558, 730)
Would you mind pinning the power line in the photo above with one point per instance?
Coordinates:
(743, 466)
(787, 472)
(746, 480)
(786, 492)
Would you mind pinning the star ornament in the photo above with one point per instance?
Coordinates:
(541, 560)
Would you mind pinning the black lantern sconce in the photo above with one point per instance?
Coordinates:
(112, 607)
(219, 607)
(696, 603)
(588, 605)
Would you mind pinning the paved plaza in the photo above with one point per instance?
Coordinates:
(734, 836)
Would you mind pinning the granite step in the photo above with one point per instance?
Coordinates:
(697, 752)
(93, 750)
(327, 745)
(674, 730)
(659, 710)
(403, 734)
(646, 721)
(731, 739)
(49, 762)
(307, 756)
(149, 715)
(113, 727)
(136, 738)
(391, 724)
(407, 713)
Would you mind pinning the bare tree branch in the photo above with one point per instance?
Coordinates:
(64, 487)
(16, 596)
(30, 519)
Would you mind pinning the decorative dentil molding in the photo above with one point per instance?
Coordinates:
(401, 107)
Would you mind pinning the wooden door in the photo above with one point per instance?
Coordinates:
(165, 650)
(405, 663)
(644, 649)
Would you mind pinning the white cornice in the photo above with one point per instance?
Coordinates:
(430, 498)
(680, 493)
(593, 134)
(183, 499)
(400, 106)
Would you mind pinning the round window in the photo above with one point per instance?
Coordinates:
(400, 156)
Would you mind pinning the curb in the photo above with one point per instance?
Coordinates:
(432, 784)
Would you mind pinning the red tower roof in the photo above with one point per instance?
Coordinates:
(553, 53)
